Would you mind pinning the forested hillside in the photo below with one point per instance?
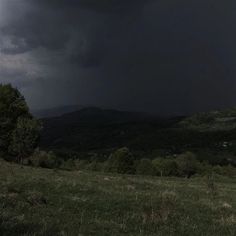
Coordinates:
(97, 130)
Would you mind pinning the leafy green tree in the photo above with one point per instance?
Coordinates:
(165, 166)
(19, 132)
(187, 164)
(12, 106)
(121, 161)
(24, 139)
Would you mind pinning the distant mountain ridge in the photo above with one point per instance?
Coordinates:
(212, 120)
(95, 115)
(92, 126)
(55, 111)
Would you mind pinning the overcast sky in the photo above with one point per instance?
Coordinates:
(164, 56)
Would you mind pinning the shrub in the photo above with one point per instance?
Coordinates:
(224, 170)
(44, 159)
(165, 166)
(187, 164)
(204, 168)
(68, 165)
(81, 164)
(145, 167)
(121, 161)
(95, 166)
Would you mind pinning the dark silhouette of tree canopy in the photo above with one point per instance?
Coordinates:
(19, 131)
(121, 161)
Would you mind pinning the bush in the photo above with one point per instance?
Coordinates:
(81, 164)
(95, 166)
(204, 168)
(121, 161)
(68, 165)
(224, 170)
(145, 167)
(165, 166)
(44, 159)
(187, 164)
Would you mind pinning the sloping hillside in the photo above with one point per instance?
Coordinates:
(212, 136)
(52, 202)
(94, 128)
(211, 121)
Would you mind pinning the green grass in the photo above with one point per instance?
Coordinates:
(51, 202)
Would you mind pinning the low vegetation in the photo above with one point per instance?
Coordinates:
(122, 161)
(38, 201)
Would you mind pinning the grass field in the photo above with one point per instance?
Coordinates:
(51, 202)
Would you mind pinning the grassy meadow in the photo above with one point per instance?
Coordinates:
(35, 201)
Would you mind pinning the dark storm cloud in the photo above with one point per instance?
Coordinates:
(105, 6)
(50, 23)
(159, 55)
